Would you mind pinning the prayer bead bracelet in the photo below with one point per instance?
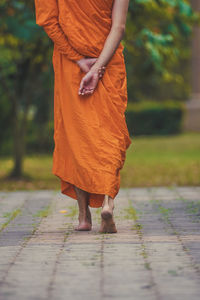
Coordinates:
(101, 71)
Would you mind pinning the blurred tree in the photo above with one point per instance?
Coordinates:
(158, 49)
(156, 39)
(24, 70)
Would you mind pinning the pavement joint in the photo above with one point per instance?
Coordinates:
(155, 255)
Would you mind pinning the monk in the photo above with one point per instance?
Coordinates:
(90, 99)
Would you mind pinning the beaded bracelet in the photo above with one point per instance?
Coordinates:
(101, 71)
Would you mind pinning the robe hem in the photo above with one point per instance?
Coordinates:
(92, 203)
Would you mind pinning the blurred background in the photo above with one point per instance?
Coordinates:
(162, 54)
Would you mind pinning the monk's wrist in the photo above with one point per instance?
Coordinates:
(79, 61)
(96, 67)
(99, 71)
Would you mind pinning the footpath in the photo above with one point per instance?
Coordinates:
(155, 254)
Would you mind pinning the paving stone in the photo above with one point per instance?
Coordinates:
(13, 238)
(184, 218)
(110, 266)
(154, 255)
(171, 266)
(9, 202)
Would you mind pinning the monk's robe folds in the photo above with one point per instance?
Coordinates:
(90, 132)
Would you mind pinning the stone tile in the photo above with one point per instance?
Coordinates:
(155, 256)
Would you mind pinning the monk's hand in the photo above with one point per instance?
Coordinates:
(86, 63)
(90, 80)
(88, 83)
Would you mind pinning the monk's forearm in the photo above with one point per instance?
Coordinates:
(111, 44)
(119, 14)
(47, 15)
(56, 34)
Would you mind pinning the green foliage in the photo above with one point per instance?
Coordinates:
(147, 118)
(157, 44)
(156, 51)
(40, 137)
(25, 73)
(5, 120)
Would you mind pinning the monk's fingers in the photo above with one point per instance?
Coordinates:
(81, 91)
(88, 91)
(82, 86)
(91, 91)
(85, 85)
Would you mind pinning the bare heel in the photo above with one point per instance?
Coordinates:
(106, 213)
(107, 222)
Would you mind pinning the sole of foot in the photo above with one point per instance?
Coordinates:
(108, 226)
(83, 227)
(106, 215)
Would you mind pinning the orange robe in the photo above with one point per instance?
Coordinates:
(90, 132)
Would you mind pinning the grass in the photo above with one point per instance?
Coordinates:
(9, 216)
(163, 161)
(43, 213)
(130, 213)
(150, 161)
(73, 211)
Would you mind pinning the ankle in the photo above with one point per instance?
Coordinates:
(82, 216)
(108, 204)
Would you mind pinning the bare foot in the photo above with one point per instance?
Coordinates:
(107, 208)
(106, 213)
(83, 226)
(108, 226)
(107, 221)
